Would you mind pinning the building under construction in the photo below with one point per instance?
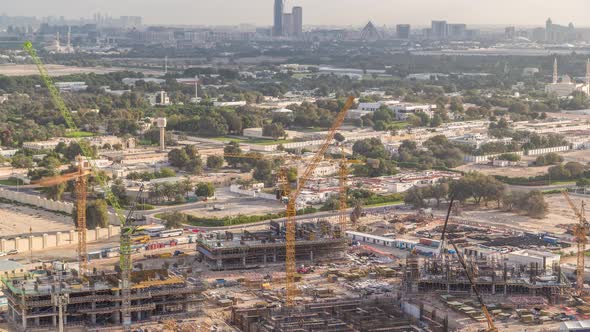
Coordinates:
(382, 314)
(46, 299)
(314, 242)
(491, 277)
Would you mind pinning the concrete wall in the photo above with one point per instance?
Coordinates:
(46, 241)
(234, 188)
(46, 204)
(547, 150)
(485, 159)
(35, 200)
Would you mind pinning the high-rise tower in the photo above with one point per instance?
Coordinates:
(298, 22)
(588, 72)
(277, 29)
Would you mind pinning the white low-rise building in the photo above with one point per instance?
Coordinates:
(403, 111)
(158, 99)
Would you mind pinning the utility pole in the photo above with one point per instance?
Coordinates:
(30, 244)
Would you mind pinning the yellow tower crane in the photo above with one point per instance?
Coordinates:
(81, 178)
(291, 289)
(125, 249)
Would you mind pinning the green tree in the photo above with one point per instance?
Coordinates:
(175, 219)
(233, 148)
(205, 189)
(55, 192)
(97, 214)
(339, 137)
(118, 189)
(214, 162)
(22, 161)
(274, 130)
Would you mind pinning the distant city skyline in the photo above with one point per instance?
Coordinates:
(324, 12)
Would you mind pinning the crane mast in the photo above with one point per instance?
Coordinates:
(125, 258)
(291, 211)
(581, 234)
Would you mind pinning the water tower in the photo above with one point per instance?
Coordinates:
(161, 123)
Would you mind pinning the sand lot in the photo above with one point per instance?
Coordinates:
(505, 171)
(15, 220)
(559, 213)
(54, 70)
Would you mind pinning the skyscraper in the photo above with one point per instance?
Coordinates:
(403, 31)
(287, 24)
(277, 30)
(298, 22)
(440, 30)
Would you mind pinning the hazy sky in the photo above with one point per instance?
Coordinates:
(316, 12)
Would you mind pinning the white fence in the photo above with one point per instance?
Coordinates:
(537, 152)
(234, 188)
(46, 204)
(58, 239)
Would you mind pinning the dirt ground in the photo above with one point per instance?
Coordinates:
(559, 213)
(15, 220)
(505, 171)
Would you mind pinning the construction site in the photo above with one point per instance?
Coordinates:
(302, 274)
(44, 299)
(383, 314)
(315, 242)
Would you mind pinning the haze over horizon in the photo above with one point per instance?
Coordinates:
(317, 12)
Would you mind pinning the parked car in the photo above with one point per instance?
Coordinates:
(2, 253)
(12, 252)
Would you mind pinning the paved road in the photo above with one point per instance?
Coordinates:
(318, 215)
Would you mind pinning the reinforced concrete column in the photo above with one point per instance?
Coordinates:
(37, 322)
(219, 264)
(72, 237)
(24, 319)
(3, 245)
(493, 289)
(54, 320)
(58, 239)
(244, 261)
(93, 316)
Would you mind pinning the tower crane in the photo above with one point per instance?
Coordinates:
(81, 178)
(291, 290)
(581, 234)
(125, 257)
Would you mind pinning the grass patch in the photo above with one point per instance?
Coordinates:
(384, 203)
(79, 133)
(399, 124)
(12, 182)
(228, 139)
(237, 220)
(257, 141)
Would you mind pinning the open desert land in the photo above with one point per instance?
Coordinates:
(18, 219)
